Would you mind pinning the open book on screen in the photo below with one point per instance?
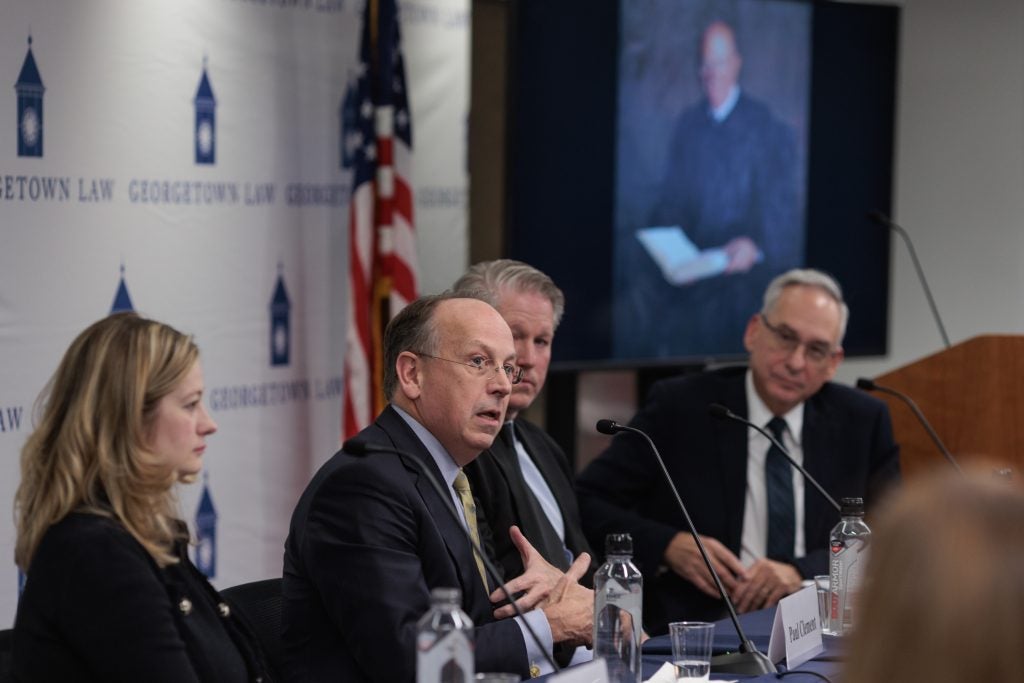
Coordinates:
(679, 259)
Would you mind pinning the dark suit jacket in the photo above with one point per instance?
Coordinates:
(505, 498)
(97, 607)
(369, 539)
(848, 447)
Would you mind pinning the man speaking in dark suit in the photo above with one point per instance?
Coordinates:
(370, 538)
(764, 529)
(525, 478)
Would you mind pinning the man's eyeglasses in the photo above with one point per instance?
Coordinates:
(787, 340)
(484, 366)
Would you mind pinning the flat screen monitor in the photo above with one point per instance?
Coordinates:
(668, 158)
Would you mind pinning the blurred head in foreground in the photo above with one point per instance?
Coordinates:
(944, 593)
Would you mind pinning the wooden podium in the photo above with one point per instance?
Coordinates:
(973, 396)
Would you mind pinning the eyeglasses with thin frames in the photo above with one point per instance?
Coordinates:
(787, 340)
(484, 366)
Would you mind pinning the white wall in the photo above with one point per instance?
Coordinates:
(959, 176)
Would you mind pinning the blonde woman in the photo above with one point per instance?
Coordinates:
(111, 594)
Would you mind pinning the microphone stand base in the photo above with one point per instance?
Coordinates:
(753, 663)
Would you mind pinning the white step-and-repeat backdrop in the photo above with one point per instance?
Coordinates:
(186, 158)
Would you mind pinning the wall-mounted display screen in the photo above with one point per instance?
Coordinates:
(669, 157)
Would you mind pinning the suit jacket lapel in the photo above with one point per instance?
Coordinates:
(451, 531)
(509, 468)
(537, 526)
(558, 482)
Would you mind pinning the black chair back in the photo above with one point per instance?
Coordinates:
(259, 603)
(6, 639)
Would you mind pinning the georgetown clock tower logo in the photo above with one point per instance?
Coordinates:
(206, 532)
(122, 300)
(205, 133)
(280, 324)
(30, 107)
(351, 135)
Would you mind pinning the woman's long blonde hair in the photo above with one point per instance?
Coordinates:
(89, 450)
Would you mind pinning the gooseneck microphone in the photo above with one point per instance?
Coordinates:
(869, 385)
(749, 660)
(721, 412)
(886, 222)
(360, 448)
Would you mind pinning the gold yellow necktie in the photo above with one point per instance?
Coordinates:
(461, 487)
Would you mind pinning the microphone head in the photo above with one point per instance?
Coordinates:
(865, 384)
(880, 218)
(608, 427)
(356, 447)
(719, 411)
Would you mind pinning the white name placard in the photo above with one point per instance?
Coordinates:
(796, 631)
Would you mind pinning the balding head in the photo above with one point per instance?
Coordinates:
(457, 389)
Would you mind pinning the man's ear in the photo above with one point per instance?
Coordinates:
(753, 325)
(833, 363)
(410, 374)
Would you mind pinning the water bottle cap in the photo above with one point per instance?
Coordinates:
(852, 506)
(618, 544)
(446, 595)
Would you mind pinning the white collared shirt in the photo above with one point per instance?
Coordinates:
(754, 541)
(722, 111)
(539, 485)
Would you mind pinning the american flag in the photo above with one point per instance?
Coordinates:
(382, 237)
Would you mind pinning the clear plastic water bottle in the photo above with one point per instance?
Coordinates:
(848, 556)
(444, 640)
(618, 610)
